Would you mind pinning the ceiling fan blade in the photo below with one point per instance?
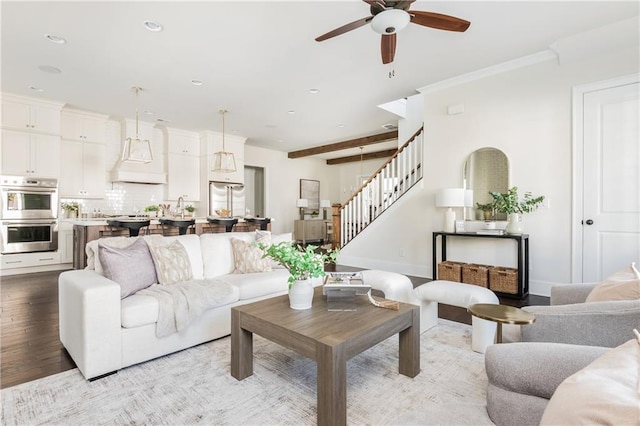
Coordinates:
(388, 48)
(439, 21)
(343, 29)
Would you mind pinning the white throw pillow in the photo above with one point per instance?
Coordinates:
(171, 260)
(603, 393)
(623, 285)
(248, 258)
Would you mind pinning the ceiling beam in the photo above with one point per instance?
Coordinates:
(353, 143)
(369, 156)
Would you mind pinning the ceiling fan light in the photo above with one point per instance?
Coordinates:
(390, 21)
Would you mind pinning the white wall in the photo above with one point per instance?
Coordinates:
(282, 182)
(526, 113)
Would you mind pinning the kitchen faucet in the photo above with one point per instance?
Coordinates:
(181, 206)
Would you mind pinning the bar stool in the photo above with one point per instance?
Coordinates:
(133, 225)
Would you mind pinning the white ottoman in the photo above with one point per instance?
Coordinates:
(394, 286)
(457, 294)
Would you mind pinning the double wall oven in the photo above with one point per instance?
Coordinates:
(28, 214)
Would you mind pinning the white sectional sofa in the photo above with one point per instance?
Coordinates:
(104, 332)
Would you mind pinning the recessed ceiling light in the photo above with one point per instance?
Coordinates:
(50, 69)
(291, 112)
(146, 111)
(341, 125)
(196, 82)
(55, 39)
(152, 26)
(36, 89)
(314, 91)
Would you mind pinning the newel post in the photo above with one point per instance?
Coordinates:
(336, 237)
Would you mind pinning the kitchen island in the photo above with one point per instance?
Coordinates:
(85, 230)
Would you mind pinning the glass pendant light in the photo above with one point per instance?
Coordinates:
(223, 161)
(136, 150)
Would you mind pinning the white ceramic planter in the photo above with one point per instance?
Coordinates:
(515, 224)
(301, 295)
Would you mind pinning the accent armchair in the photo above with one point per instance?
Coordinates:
(570, 320)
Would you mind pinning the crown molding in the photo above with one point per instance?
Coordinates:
(525, 61)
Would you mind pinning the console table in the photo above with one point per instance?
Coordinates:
(522, 245)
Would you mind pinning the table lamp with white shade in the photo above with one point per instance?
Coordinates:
(302, 203)
(324, 205)
(450, 198)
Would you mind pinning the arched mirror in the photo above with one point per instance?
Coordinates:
(486, 169)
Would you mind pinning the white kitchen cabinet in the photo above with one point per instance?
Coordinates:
(83, 126)
(30, 154)
(183, 177)
(212, 143)
(25, 260)
(83, 173)
(65, 242)
(21, 113)
(183, 164)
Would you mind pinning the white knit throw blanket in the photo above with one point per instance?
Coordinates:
(181, 303)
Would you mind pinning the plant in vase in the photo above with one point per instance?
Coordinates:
(190, 209)
(511, 204)
(486, 209)
(70, 209)
(302, 264)
(152, 211)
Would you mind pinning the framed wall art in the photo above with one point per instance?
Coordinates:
(310, 190)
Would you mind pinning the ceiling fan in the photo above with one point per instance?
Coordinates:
(388, 17)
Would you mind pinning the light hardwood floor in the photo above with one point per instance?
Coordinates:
(29, 344)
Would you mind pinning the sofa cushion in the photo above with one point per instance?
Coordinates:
(604, 392)
(131, 267)
(171, 260)
(217, 254)
(137, 310)
(248, 258)
(623, 285)
(258, 284)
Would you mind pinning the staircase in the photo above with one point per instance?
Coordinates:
(377, 194)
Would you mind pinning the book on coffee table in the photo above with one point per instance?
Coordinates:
(351, 283)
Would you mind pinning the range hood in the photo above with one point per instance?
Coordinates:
(150, 173)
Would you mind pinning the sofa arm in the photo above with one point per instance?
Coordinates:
(608, 324)
(89, 320)
(522, 377)
(567, 294)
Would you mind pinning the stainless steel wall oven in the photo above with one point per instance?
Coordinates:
(28, 212)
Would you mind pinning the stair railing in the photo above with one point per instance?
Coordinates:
(392, 180)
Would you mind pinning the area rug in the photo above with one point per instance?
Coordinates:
(194, 386)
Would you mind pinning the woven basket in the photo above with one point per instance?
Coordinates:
(450, 271)
(504, 280)
(476, 274)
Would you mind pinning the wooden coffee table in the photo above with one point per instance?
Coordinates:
(328, 337)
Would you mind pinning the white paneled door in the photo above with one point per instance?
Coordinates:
(608, 218)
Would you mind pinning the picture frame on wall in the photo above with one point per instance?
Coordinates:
(310, 190)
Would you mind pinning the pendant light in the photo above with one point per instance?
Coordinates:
(223, 161)
(136, 150)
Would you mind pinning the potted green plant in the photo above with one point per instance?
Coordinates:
(152, 210)
(486, 209)
(70, 209)
(511, 204)
(302, 264)
(189, 208)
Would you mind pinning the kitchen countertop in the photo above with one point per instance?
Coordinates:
(102, 221)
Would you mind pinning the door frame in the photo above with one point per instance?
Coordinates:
(578, 93)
